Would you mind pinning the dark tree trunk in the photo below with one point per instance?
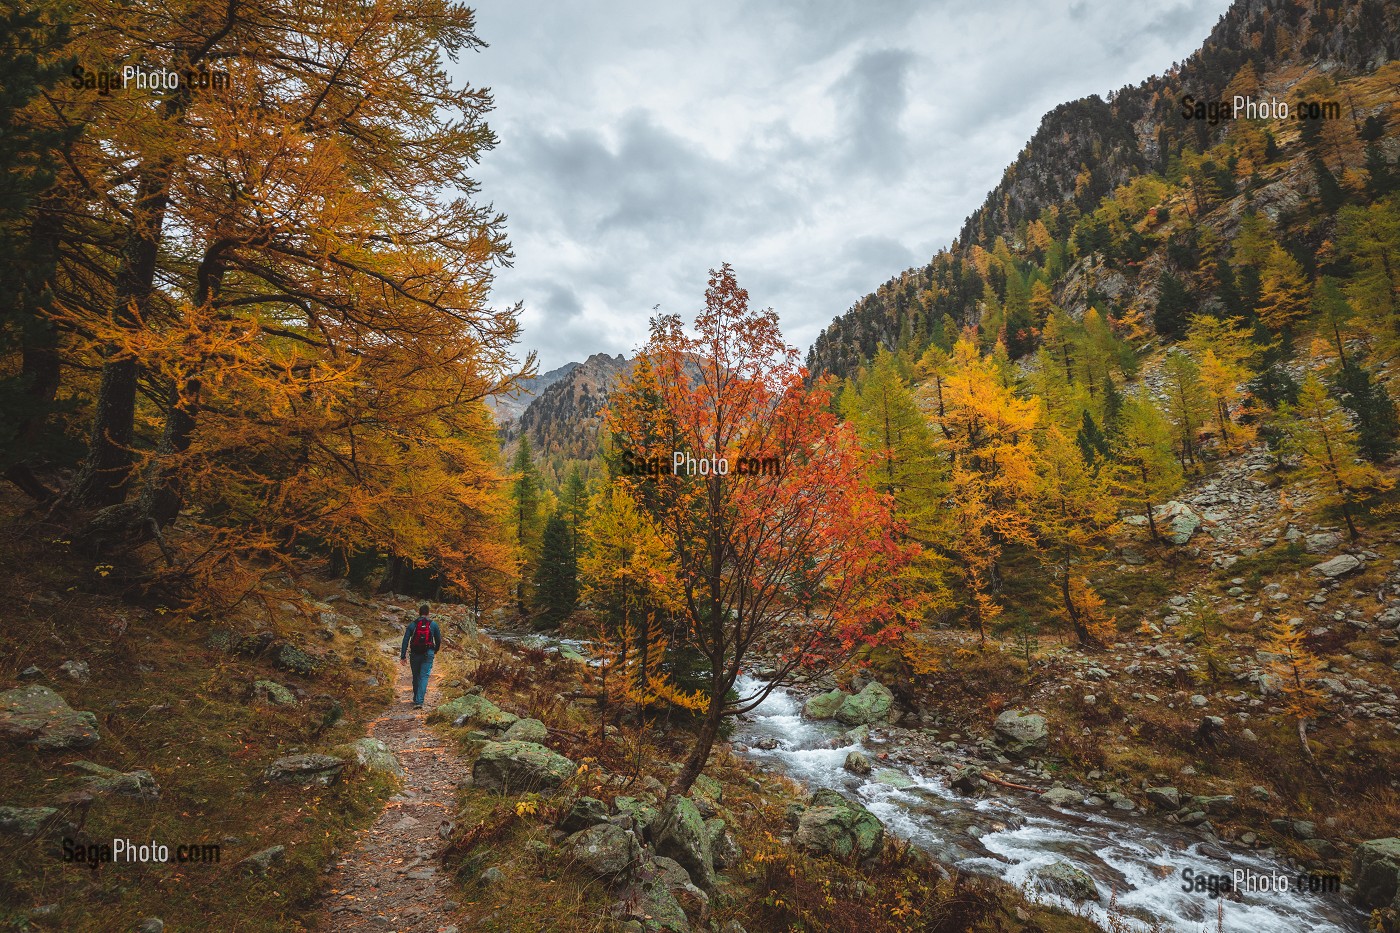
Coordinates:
(106, 475)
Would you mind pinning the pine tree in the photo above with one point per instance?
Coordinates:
(1283, 292)
(1370, 405)
(1187, 404)
(1145, 471)
(1296, 670)
(1324, 440)
(556, 577)
(1173, 306)
(525, 509)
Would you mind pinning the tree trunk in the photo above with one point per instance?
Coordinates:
(700, 751)
(106, 475)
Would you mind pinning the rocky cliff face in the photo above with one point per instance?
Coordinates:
(512, 405)
(562, 422)
(1085, 149)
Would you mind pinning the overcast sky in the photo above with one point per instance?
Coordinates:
(819, 147)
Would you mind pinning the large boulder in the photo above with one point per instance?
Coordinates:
(679, 832)
(305, 769)
(641, 813)
(474, 711)
(516, 766)
(824, 705)
(604, 850)
(1064, 880)
(1021, 734)
(372, 755)
(872, 704)
(834, 825)
(724, 848)
(525, 730)
(103, 780)
(649, 903)
(1375, 873)
(583, 813)
(1180, 521)
(40, 717)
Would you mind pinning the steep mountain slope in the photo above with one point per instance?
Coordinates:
(1085, 150)
(562, 421)
(513, 405)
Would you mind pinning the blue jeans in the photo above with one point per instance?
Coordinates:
(421, 664)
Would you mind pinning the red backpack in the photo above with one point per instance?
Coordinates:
(422, 635)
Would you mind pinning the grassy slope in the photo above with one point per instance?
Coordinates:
(171, 705)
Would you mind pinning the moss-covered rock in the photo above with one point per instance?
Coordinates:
(273, 693)
(40, 717)
(834, 825)
(872, 704)
(525, 730)
(1064, 880)
(517, 766)
(473, 711)
(604, 850)
(1375, 873)
(679, 833)
(824, 705)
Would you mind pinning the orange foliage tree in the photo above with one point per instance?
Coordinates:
(312, 368)
(797, 554)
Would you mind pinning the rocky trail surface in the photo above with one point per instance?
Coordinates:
(391, 879)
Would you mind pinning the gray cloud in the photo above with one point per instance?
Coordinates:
(821, 148)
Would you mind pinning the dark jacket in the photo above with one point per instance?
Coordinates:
(408, 636)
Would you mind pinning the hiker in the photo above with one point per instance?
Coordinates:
(421, 640)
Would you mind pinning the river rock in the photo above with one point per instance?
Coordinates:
(518, 766)
(604, 850)
(525, 730)
(40, 717)
(834, 825)
(585, 812)
(679, 833)
(824, 705)
(1164, 798)
(1339, 566)
(473, 711)
(1375, 873)
(372, 755)
(1062, 797)
(872, 704)
(1064, 880)
(857, 763)
(273, 692)
(1215, 805)
(305, 769)
(1021, 734)
(140, 785)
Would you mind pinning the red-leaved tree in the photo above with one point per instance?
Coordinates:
(795, 551)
